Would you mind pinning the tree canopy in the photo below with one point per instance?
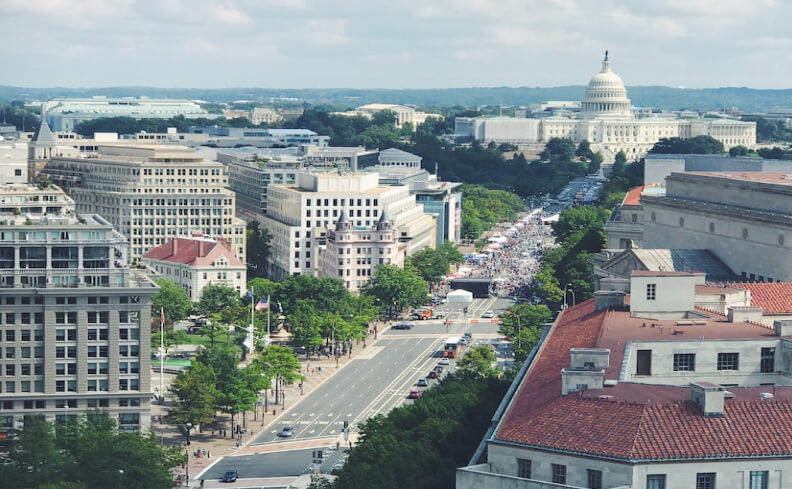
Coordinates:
(426, 441)
(479, 359)
(694, 145)
(482, 208)
(394, 289)
(172, 299)
(522, 323)
(216, 299)
(88, 453)
(433, 264)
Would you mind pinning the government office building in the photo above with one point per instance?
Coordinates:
(74, 322)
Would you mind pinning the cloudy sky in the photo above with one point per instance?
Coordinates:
(393, 43)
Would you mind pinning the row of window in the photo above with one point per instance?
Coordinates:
(758, 479)
(686, 362)
(318, 202)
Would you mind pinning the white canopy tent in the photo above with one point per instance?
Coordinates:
(459, 296)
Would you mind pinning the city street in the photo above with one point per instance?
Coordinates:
(377, 380)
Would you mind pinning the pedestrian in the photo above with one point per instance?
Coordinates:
(202, 482)
(208, 454)
(203, 452)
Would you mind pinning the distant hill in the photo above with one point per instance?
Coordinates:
(747, 99)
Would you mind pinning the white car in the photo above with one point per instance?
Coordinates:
(488, 315)
(445, 361)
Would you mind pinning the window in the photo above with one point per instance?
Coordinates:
(651, 292)
(728, 361)
(684, 362)
(656, 481)
(523, 468)
(594, 479)
(758, 479)
(559, 473)
(767, 362)
(705, 480)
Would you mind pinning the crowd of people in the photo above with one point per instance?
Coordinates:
(513, 254)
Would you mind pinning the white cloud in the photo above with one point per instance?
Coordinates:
(439, 42)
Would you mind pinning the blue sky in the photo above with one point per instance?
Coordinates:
(393, 44)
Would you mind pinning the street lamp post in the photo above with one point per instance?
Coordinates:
(573, 294)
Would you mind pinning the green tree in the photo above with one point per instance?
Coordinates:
(262, 288)
(694, 145)
(172, 299)
(384, 118)
(479, 359)
(584, 149)
(522, 323)
(395, 289)
(596, 162)
(738, 151)
(279, 363)
(172, 338)
(558, 149)
(305, 326)
(34, 457)
(258, 249)
(196, 395)
(322, 293)
(217, 298)
(580, 218)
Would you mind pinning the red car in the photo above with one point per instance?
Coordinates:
(414, 394)
(432, 375)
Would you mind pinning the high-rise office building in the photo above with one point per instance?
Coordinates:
(152, 193)
(75, 322)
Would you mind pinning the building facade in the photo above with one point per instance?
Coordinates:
(607, 121)
(744, 218)
(65, 114)
(28, 198)
(650, 395)
(152, 193)
(299, 216)
(352, 253)
(195, 262)
(13, 161)
(75, 323)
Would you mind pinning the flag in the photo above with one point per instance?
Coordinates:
(262, 305)
(250, 293)
(162, 315)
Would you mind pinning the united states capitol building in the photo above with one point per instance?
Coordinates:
(607, 121)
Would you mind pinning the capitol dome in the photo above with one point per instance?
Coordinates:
(605, 95)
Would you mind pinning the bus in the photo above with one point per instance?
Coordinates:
(452, 347)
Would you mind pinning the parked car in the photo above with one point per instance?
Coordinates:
(432, 375)
(463, 341)
(402, 326)
(439, 368)
(230, 476)
(468, 336)
(488, 314)
(445, 361)
(286, 432)
(422, 382)
(414, 394)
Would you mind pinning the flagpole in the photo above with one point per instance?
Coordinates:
(162, 355)
(267, 337)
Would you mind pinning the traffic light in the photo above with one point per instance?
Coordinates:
(346, 425)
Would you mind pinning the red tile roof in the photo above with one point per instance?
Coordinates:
(196, 251)
(661, 431)
(577, 327)
(772, 297)
(640, 421)
(633, 196)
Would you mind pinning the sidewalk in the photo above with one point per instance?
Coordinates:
(218, 443)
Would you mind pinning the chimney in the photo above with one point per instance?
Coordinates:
(604, 299)
(174, 243)
(200, 247)
(783, 327)
(708, 397)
